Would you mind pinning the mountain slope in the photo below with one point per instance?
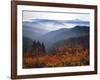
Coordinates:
(32, 32)
(77, 42)
(63, 34)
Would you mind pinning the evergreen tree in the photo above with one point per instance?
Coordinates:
(43, 47)
(34, 44)
(38, 48)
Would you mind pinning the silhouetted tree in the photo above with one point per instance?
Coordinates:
(43, 47)
(38, 48)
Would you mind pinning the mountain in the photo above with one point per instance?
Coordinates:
(76, 42)
(74, 21)
(50, 32)
(38, 27)
(50, 25)
(45, 21)
(32, 32)
(63, 34)
(77, 21)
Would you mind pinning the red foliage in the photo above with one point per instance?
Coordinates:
(62, 57)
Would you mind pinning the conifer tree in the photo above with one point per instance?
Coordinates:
(38, 47)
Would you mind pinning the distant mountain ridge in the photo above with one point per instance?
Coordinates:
(60, 21)
(37, 27)
(54, 37)
(47, 24)
(63, 34)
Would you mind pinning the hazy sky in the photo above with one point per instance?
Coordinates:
(28, 15)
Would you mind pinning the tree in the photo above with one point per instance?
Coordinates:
(38, 48)
(43, 47)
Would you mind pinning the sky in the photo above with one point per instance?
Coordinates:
(28, 15)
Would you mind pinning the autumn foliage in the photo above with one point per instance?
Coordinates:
(63, 56)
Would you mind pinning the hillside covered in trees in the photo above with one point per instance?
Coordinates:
(65, 55)
(59, 48)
